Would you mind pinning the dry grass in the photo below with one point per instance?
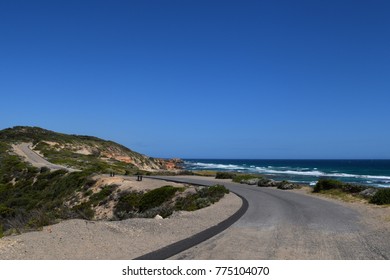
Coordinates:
(340, 195)
(208, 173)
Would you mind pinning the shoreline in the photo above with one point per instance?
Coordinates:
(373, 173)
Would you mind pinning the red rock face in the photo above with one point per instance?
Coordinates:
(124, 159)
(170, 165)
(117, 157)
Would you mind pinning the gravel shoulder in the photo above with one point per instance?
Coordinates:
(127, 239)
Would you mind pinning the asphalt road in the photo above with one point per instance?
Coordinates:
(35, 159)
(286, 225)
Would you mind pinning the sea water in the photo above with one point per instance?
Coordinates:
(366, 172)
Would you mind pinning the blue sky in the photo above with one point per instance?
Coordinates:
(203, 79)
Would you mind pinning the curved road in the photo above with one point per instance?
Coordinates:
(25, 150)
(277, 225)
(286, 225)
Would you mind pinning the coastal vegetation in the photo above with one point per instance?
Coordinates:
(202, 198)
(163, 201)
(225, 175)
(352, 192)
(32, 197)
(381, 197)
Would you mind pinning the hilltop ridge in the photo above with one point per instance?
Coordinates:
(84, 152)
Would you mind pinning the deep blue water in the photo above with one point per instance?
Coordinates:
(367, 172)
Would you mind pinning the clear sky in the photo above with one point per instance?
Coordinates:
(203, 79)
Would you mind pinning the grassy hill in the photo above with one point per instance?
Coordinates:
(32, 197)
(82, 152)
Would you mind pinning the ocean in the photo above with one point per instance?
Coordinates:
(365, 172)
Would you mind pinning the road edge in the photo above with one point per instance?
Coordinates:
(182, 245)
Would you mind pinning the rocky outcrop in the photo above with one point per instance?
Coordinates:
(368, 193)
(264, 182)
(170, 164)
(285, 185)
(253, 181)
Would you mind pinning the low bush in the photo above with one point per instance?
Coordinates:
(128, 202)
(327, 184)
(44, 169)
(105, 192)
(351, 188)
(186, 172)
(330, 184)
(213, 193)
(163, 210)
(381, 197)
(84, 210)
(225, 175)
(156, 197)
(244, 177)
(202, 198)
(145, 205)
(5, 211)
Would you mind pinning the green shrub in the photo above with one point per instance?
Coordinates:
(330, 184)
(164, 211)
(44, 169)
(186, 173)
(1, 230)
(213, 193)
(225, 175)
(186, 203)
(327, 184)
(156, 197)
(127, 202)
(84, 210)
(103, 194)
(39, 219)
(202, 198)
(351, 188)
(88, 192)
(5, 211)
(381, 197)
(145, 205)
(242, 177)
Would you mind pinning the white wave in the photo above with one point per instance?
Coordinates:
(217, 166)
(346, 175)
(291, 172)
(300, 172)
(383, 186)
(316, 173)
